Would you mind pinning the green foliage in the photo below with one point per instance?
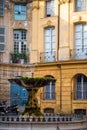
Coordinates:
(16, 56)
(38, 81)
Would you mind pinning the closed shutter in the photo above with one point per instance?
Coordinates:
(1, 7)
(2, 39)
(50, 8)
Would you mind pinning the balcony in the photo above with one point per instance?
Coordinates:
(48, 96)
(80, 53)
(20, 58)
(48, 56)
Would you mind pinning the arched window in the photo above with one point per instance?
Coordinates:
(49, 91)
(81, 87)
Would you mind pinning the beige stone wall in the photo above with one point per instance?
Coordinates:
(7, 69)
(65, 95)
(10, 25)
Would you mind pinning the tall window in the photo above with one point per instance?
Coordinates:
(81, 87)
(80, 5)
(2, 39)
(50, 44)
(50, 8)
(20, 41)
(49, 91)
(19, 12)
(81, 41)
(2, 7)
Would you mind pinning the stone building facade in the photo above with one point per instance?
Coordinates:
(56, 46)
(15, 39)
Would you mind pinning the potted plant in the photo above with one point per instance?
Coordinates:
(23, 57)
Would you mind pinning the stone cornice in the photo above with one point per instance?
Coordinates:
(21, 1)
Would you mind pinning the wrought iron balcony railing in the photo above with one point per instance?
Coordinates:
(48, 96)
(75, 54)
(80, 53)
(48, 56)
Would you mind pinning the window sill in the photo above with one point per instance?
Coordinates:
(79, 101)
(48, 101)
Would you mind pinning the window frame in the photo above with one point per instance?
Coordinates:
(16, 17)
(49, 91)
(81, 8)
(18, 47)
(4, 35)
(2, 8)
(49, 44)
(80, 38)
(81, 89)
(49, 8)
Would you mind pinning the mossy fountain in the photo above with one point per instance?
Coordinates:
(32, 85)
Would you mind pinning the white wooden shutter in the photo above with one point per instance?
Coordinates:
(50, 8)
(1, 7)
(2, 39)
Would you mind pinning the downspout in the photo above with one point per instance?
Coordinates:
(59, 66)
(58, 30)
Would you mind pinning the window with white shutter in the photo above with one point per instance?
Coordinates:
(81, 41)
(49, 45)
(49, 90)
(80, 5)
(1, 7)
(2, 39)
(81, 87)
(50, 8)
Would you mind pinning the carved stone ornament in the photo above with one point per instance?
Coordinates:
(49, 23)
(63, 1)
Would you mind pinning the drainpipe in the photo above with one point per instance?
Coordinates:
(59, 66)
(58, 30)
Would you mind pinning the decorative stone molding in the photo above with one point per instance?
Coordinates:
(49, 23)
(35, 7)
(7, 4)
(63, 1)
(76, 18)
(21, 1)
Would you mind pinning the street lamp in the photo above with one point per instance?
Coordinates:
(32, 67)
